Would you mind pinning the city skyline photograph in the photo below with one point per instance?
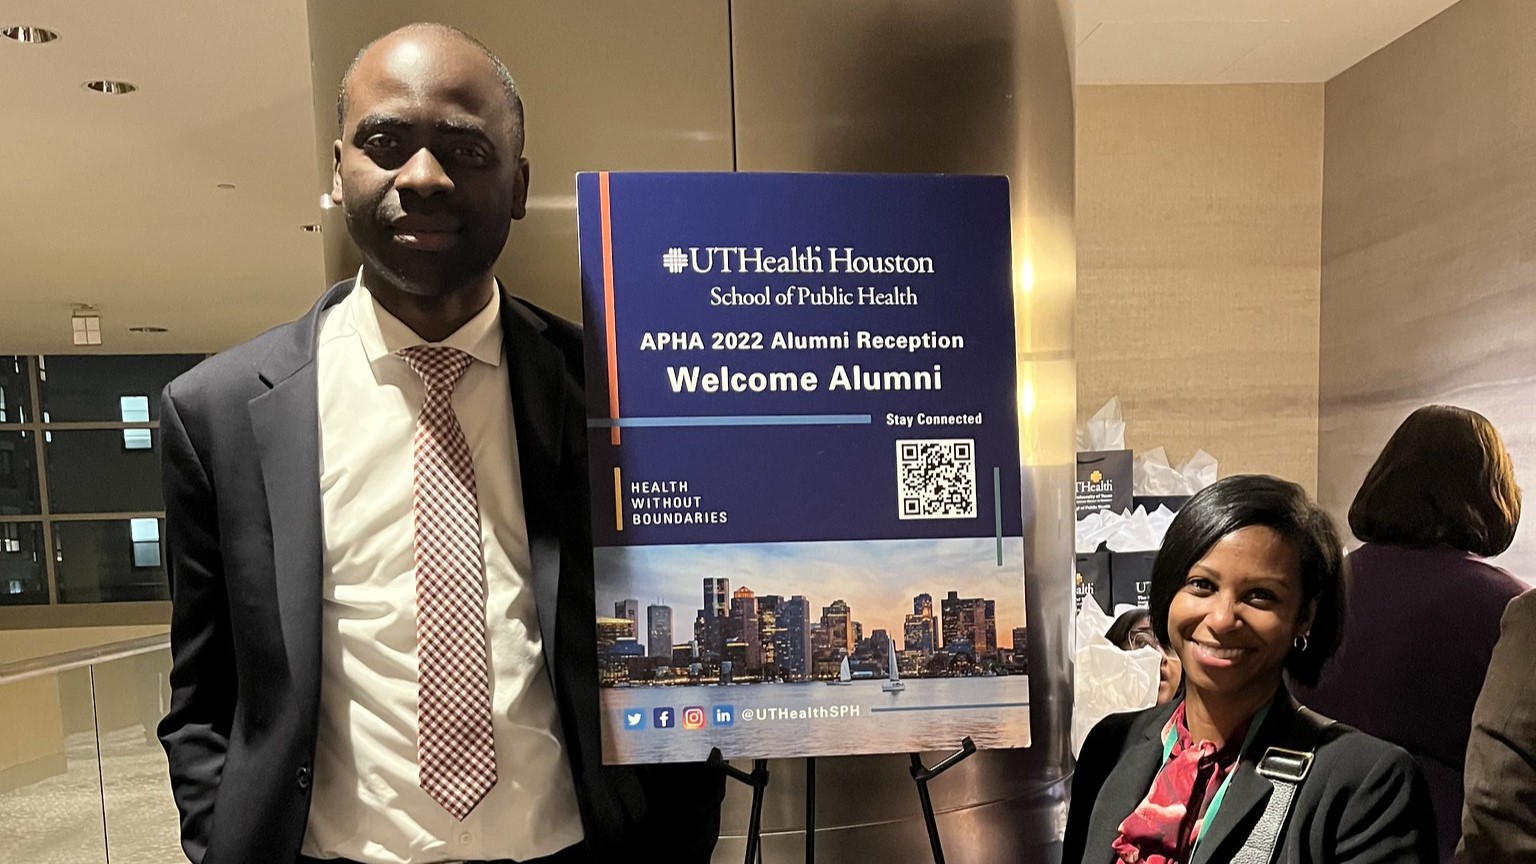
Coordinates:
(878, 580)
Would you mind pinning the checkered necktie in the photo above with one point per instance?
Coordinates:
(455, 753)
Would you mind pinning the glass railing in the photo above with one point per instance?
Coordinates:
(82, 778)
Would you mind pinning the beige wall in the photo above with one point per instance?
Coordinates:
(1429, 242)
(1198, 220)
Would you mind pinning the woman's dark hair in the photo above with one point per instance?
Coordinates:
(1256, 499)
(1119, 632)
(1443, 478)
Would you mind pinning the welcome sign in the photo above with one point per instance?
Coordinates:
(803, 438)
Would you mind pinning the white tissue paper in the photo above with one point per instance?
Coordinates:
(1107, 680)
(1137, 531)
(1159, 520)
(1104, 430)
(1152, 475)
(1199, 471)
(1096, 528)
(1136, 534)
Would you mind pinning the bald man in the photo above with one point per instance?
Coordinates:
(380, 553)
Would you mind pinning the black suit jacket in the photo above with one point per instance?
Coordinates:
(1363, 802)
(240, 436)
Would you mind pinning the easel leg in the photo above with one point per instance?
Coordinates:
(755, 826)
(922, 775)
(758, 780)
(810, 810)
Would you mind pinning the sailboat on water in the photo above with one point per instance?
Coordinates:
(844, 673)
(893, 677)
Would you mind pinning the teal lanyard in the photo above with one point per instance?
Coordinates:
(1221, 791)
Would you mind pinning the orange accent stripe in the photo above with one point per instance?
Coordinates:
(613, 352)
(618, 501)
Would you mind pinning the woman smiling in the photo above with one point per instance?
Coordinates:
(1248, 586)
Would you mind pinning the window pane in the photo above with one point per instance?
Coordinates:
(23, 573)
(100, 562)
(18, 474)
(77, 388)
(91, 471)
(13, 390)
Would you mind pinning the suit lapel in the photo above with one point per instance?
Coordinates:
(286, 426)
(535, 372)
(1127, 784)
(1283, 727)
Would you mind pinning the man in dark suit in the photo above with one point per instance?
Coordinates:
(380, 551)
(1498, 822)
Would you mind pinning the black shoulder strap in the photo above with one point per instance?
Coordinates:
(1285, 770)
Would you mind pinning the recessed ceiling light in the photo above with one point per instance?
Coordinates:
(226, 186)
(111, 88)
(29, 35)
(313, 228)
(148, 329)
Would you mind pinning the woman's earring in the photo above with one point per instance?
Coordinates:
(1300, 643)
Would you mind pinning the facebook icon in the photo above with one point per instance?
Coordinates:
(725, 715)
(664, 718)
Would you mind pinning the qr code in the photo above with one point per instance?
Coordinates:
(936, 478)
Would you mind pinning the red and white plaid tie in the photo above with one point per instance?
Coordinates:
(455, 752)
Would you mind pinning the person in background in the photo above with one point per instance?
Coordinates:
(1248, 584)
(1498, 823)
(1424, 605)
(1132, 630)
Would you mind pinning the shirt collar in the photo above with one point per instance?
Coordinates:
(383, 334)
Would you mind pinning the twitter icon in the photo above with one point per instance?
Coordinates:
(634, 719)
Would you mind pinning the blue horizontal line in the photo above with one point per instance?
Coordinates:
(956, 707)
(745, 420)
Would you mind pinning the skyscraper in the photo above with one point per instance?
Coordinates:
(716, 597)
(920, 630)
(768, 627)
(972, 620)
(836, 620)
(879, 645)
(742, 627)
(611, 630)
(627, 609)
(792, 646)
(917, 634)
(1020, 647)
(658, 631)
(717, 594)
(922, 605)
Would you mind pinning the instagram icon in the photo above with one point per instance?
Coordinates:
(693, 718)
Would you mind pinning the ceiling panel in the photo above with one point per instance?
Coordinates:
(112, 201)
(1184, 41)
(1169, 52)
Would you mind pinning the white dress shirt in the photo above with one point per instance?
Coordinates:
(367, 804)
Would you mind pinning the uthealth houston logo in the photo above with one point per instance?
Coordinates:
(795, 259)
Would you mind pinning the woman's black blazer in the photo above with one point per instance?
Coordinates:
(1363, 802)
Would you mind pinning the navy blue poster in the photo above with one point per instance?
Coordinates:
(803, 433)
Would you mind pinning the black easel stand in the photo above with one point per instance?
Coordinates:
(758, 780)
(810, 809)
(922, 775)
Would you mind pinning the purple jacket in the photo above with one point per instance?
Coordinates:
(1420, 631)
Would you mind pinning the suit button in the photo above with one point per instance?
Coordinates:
(303, 777)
